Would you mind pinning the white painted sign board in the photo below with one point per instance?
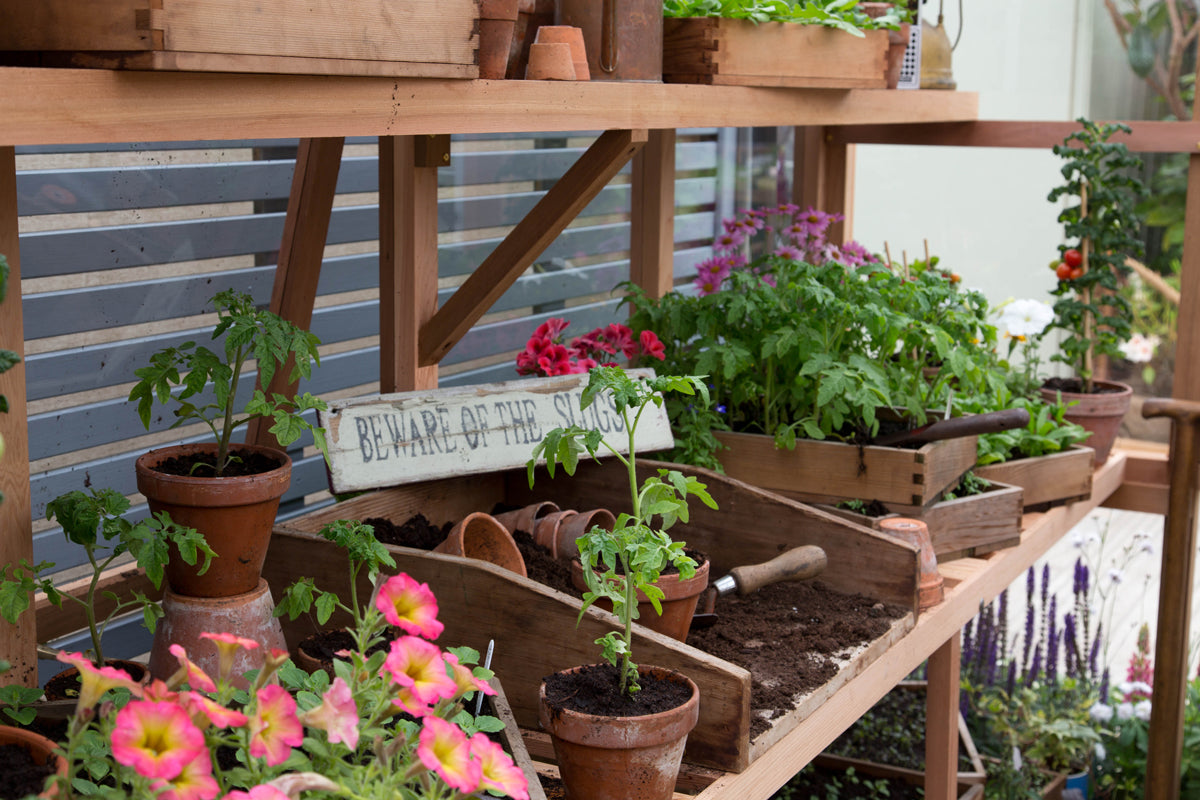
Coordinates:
(394, 439)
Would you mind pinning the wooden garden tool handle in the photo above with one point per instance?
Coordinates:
(955, 427)
(797, 564)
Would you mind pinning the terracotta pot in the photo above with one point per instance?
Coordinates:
(62, 687)
(40, 748)
(497, 21)
(621, 758)
(235, 515)
(567, 34)
(531, 15)
(550, 61)
(577, 526)
(930, 585)
(1099, 413)
(526, 519)
(546, 533)
(480, 536)
(679, 600)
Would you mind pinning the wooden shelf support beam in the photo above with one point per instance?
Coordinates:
(531, 236)
(652, 215)
(941, 721)
(823, 177)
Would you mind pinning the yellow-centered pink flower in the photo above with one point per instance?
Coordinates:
(195, 782)
(465, 679)
(95, 681)
(419, 666)
(274, 728)
(189, 673)
(205, 711)
(228, 645)
(337, 715)
(444, 748)
(409, 605)
(497, 770)
(156, 738)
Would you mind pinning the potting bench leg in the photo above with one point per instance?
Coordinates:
(941, 721)
(823, 177)
(652, 215)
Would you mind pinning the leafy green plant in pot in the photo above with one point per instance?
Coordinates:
(229, 492)
(1090, 311)
(619, 729)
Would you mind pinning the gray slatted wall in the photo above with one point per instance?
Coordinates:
(122, 246)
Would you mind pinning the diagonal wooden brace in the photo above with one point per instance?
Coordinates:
(532, 235)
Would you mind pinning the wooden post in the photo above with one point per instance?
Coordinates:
(301, 252)
(652, 215)
(1187, 370)
(17, 642)
(408, 259)
(823, 177)
(941, 721)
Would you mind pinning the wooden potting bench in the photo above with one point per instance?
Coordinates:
(413, 120)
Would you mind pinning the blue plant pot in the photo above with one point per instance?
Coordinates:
(1079, 780)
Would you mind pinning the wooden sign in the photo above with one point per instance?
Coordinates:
(415, 436)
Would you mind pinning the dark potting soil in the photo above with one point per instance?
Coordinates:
(787, 636)
(595, 689)
(416, 532)
(22, 776)
(553, 787)
(871, 509)
(325, 645)
(204, 465)
(1075, 385)
(543, 567)
(65, 684)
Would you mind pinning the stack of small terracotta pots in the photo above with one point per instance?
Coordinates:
(558, 54)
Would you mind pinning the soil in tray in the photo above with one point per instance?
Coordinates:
(416, 532)
(22, 775)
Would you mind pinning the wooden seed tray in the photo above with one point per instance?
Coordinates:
(1047, 480)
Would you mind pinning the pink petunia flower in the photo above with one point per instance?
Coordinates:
(274, 728)
(189, 673)
(444, 748)
(337, 715)
(205, 711)
(95, 681)
(228, 645)
(497, 770)
(418, 665)
(194, 782)
(464, 678)
(156, 738)
(409, 605)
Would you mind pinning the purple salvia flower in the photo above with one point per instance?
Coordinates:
(1094, 654)
(1027, 645)
(1070, 646)
(968, 642)
(1010, 680)
(1076, 587)
(1104, 686)
(1002, 628)
(1052, 644)
(1035, 668)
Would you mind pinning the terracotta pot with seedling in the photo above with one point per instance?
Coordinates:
(1093, 315)
(619, 729)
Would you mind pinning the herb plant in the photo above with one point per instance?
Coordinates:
(633, 554)
(1092, 313)
(1047, 432)
(841, 14)
(94, 522)
(250, 332)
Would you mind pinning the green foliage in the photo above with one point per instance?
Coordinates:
(841, 14)
(94, 522)
(1090, 310)
(814, 783)
(970, 484)
(16, 702)
(249, 332)
(617, 564)
(1047, 432)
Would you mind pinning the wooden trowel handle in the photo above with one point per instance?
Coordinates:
(797, 564)
(955, 427)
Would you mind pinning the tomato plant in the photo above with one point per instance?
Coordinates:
(1073, 257)
(1063, 271)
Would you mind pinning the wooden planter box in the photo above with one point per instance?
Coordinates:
(963, 527)
(734, 52)
(412, 38)
(830, 472)
(1047, 480)
(513, 742)
(535, 626)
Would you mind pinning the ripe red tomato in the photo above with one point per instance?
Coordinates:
(1073, 257)
(1077, 272)
(1063, 272)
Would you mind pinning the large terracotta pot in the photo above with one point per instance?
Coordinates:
(679, 601)
(40, 748)
(621, 758)
(235, 515)
(497, 20)
(1099, 413)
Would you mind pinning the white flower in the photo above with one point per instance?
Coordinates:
(1077, 540)
(1101, 753)
(1140, 349)
(1138, 686)
(1101, 712)
(1115, 575)
(1125, 711)
(1016, 759)
(1142, 711)
(1025, 318)
(1147, 547)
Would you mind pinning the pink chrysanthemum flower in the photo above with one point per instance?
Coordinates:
(790, 252)
(156, 738)
(337, 715)
(444, 748)
(194, 782)
(274, 728)
(205, 711)
(189, 673)
(729, 241)
(418, 665)
(497, 770)
(409, 605)
(95, 681)
(855, 255)
(228, 645)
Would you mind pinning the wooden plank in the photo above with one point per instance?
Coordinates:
(941, 721)
(527, 241)
(418, 436)
(156, 60)
(52, 106)
(54, 622)
(1186, 385)
(408, 264)
(1066, 475)
(1146, 137)
(17, 642)
(70, 25)
(652, 215)
(301, 252)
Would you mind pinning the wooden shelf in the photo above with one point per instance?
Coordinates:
(73, 106)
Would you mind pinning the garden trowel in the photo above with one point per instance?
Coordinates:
(797, 564)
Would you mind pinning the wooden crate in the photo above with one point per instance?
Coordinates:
(1047, 480)
(401, 38)
(513, 741)
(830, 472)
(963, 527)
(733, 52)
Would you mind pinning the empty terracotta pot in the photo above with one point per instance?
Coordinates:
(930, 587)
(497, 20)
(480, 536)
(680, 598)
(576, 526)
(550, 61)
(546, 532)
(567, 34)
(526, 519)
